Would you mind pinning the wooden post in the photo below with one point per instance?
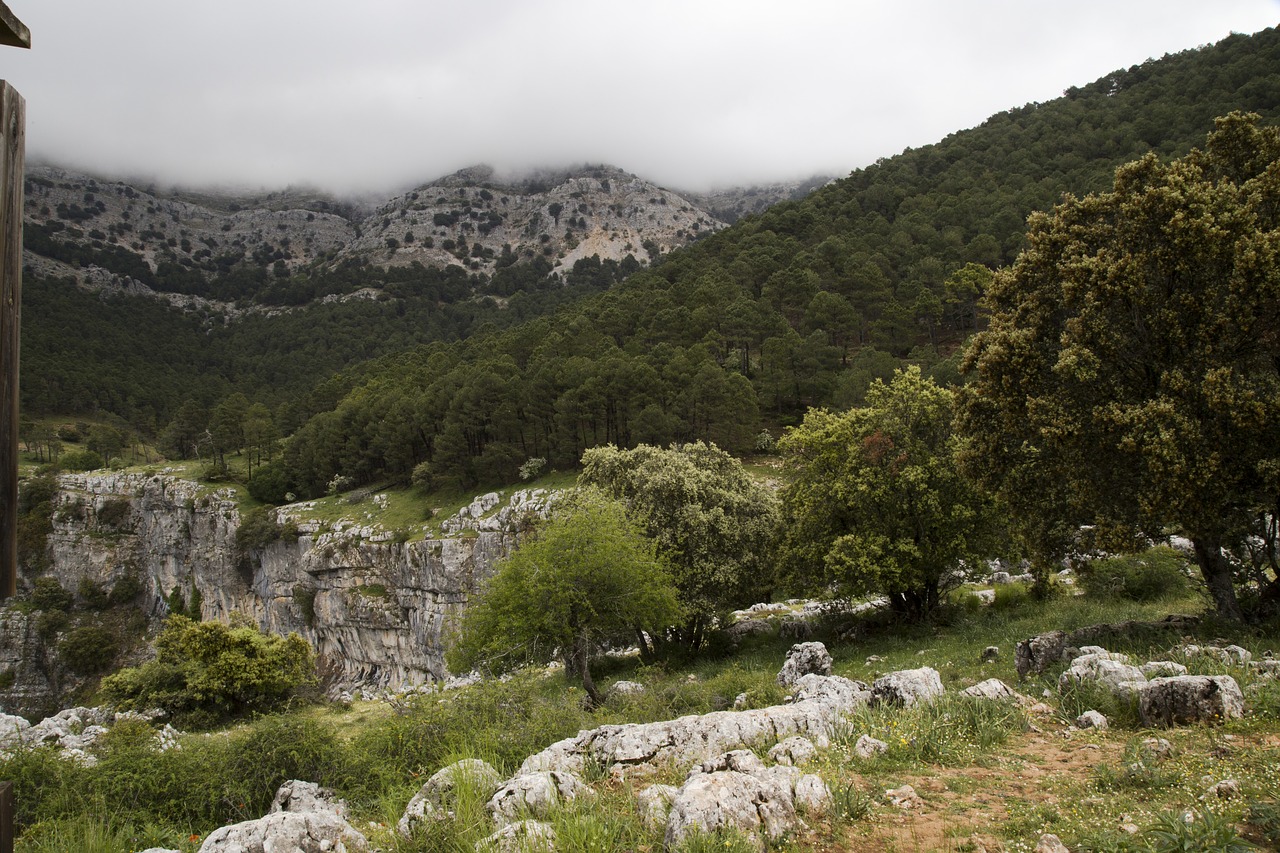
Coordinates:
(12, 161)
(6, 817)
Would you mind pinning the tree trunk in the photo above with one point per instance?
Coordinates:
(581, 653)
(1217, 577)
(646, 650)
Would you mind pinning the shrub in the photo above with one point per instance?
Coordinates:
(124, 590)
(532, 467)
(1157, 573)
(48, 594)
(81, 460)
(89, 649)
(257, 530)
(91, 593)
(210, 671)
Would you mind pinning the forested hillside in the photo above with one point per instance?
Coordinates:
(800, 306)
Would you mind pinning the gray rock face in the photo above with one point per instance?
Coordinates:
(866, 746)
(177, 534)
(432, 799)
(907, 687)
(819, 702)
(535, 794)
(804, 659)
(1187, 699)
(1162, 669)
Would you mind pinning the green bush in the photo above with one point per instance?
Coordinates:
(89, 649)
(81, 460)
(208, 671)
(114, 514)
(48, 594)
(1157, 573)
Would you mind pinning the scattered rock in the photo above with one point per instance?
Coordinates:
(795, 750)
(1050, 843)
(867, 746)
(796, 628)
(1158, 747)
(904, 798)
(1102, 670)
(654, 803)
(989, 654)
(1092, 720)
(1039, 653)
(804, 659)
(323, 830)
(739, 631)
(538, 794)
(1162, 669)
(736, 790)
(907, 687)
(820, 701)
(298, 797)
(431, 801)
(992, 688)
(625, 688)
(525, 836)
(1225, 790)
(1185, 699)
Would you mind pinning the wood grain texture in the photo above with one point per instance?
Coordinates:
(12, 159)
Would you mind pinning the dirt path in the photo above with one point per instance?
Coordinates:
(967, 808)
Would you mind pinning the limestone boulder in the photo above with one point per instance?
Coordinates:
(795, 750)
(736, 790)
(297, 832)
(434, 798)
(654, 804)
(804, 659)
(526, 836)
(907, 687)
(992, 688)
(1186, 699)
(1102, 670)
(536, 795)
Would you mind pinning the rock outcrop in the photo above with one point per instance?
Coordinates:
(372, 607)
(303, 818)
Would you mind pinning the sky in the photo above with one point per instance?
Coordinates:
(381, 95)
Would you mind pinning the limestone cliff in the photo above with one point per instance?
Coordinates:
(372, 607)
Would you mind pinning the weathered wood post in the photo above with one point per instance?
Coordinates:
(12, 159)
(13, 133)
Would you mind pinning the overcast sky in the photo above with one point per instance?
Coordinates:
(381, 94)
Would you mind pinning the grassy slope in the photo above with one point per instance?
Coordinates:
(1042, 776)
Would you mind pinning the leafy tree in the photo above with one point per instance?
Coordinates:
(1131, 374)
(877, 504)
(587, 576)
(712, 522)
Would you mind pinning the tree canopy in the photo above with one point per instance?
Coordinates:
(712, 522)
(1130, 377)
(586, 577)
(877, 504)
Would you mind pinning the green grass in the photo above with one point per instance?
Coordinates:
(377, 754)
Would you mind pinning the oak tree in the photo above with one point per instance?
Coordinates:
(1130, 377)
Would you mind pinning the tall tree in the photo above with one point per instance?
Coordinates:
(587, 576)
(710, 519)
(877, 505)
(1131, 373)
